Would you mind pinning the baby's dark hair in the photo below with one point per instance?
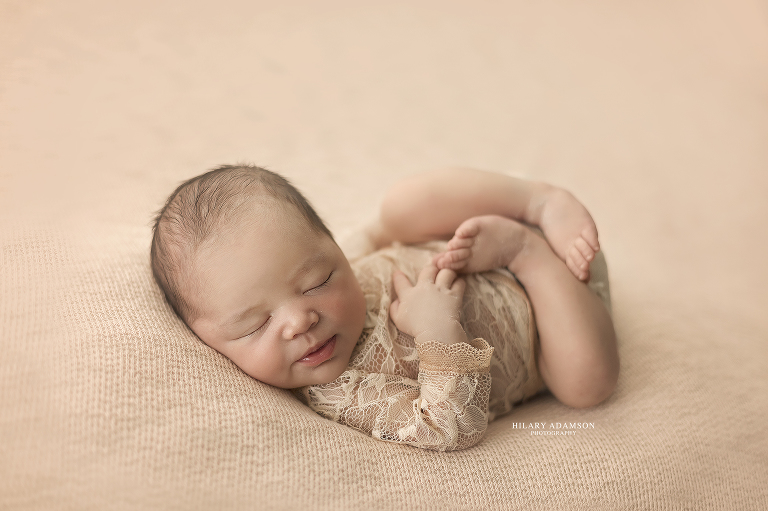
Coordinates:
(198, 208)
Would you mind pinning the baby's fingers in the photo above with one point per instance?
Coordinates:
(401, 282)
(458, 286)
(394, 307)
(428, 274)
(454, 259)
(445, 278)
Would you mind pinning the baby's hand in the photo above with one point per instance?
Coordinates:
(430, 310)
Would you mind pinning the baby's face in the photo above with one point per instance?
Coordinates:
(279, 300)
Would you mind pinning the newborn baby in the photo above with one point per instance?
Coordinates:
(421, 342)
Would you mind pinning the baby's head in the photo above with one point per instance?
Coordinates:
(249, 266)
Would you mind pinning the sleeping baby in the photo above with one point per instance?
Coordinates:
(424, 339)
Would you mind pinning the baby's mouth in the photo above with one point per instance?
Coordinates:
(320, 354)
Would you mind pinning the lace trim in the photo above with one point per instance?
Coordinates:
(461, 358)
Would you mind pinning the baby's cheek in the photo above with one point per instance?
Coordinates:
(348, 306)
(338, 303)
(269, 365)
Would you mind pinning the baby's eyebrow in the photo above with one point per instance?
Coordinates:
(308, 264)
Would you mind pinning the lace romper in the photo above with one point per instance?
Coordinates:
(433, 396)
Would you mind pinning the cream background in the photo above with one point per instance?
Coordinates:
(653, 113)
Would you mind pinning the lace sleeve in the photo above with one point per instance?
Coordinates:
(445, 409)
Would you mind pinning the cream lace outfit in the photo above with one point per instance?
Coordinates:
(433, 396)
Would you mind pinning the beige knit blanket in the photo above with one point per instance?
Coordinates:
(654, 114)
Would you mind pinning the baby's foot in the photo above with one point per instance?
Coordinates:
(569, 229)
(483, 243)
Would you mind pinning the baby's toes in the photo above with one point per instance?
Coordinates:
(469, 229)
(577, 264)
(590, 236)
(572, 267)
(441, 260)
(585, 250)
(454, 259)
(457, 243)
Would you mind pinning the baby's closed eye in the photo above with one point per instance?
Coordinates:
(322, 284)
(258, 329)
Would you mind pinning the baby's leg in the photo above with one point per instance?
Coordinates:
(565, 222)
(568, 226)
(578, 359)
(444, 198)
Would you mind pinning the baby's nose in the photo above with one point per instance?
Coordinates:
(300, 322)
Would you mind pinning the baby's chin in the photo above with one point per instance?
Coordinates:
(330, 373)
(335, 377)
(327, 377)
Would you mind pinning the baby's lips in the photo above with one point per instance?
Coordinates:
(320, 354)
(316, 347)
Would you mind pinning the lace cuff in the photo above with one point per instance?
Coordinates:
(462, 358)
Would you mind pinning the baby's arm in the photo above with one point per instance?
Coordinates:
(432, 206)
(445, 410)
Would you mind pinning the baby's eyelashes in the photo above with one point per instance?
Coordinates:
(321, 285)
(257, 330)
